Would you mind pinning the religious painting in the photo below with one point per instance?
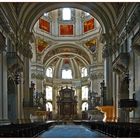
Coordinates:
(66, 29)
(89, 25)
(41, 45)
(91, 45)
(44, 25)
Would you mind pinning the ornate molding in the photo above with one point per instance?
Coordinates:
(14, 62)
(25, 49)
(104, 38)
(3, 23)
(2, 42)
(120, 64)
(137, 14)
(37, 75)
(96, 75)
(136, 48)
(136, 43)
(131, 23)
(107, 51)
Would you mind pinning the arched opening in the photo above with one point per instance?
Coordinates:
(49, 106)
(70, 47)
(85, 106)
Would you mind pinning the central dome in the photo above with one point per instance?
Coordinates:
(66, 39)
(67, 22)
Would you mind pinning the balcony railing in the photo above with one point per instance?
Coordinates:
(128, 103)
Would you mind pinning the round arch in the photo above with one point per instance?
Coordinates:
(100, 11)
(82, 49)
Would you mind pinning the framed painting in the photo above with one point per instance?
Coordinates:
(88, 25)
(66, 29)
(41, 45)
(91, 45)
(44, 25)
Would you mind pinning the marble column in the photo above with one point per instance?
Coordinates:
(108, 75)
(55, 108)
(115, 97)
(3, 89)
(26, 96)
(78, 91)
(96, 76)
(26, 84)
(20, 114)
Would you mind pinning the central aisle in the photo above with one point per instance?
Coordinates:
(71, 131)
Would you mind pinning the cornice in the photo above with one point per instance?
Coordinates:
(96, 75)
(37, 75)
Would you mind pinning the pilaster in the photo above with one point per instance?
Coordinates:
(3, 89)
(20, 115)
(107, 52)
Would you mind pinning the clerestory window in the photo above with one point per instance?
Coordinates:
(66, 74)
(49, 93)
(66, 14)
(83, 72)
(49, 72)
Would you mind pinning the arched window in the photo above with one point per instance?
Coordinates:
(66, 74)
(83, 72)
(66, 14)
(48, 106)
(84, 93)
(49, 72)
(87, 14)
(84, 106)
(45, 14)
(49, 93)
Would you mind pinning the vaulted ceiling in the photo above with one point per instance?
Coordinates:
(21, 17)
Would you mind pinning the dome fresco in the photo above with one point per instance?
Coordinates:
(74, 39)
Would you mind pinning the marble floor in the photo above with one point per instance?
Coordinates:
(71, 131)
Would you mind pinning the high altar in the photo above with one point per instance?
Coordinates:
(67, 103)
